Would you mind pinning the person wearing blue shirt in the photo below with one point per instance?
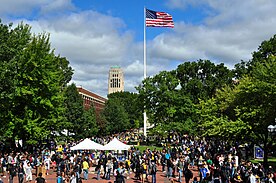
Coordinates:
(203, 172)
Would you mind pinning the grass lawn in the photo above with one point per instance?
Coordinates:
(271, 161)
(142, 148)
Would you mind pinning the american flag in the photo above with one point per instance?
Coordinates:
(158, 19)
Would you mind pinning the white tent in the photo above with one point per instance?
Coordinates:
(115, 144)
(87, 144)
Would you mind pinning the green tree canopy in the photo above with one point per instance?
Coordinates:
(246, 110)
(169, 96)
(132, 105)
(116, 118)
(267, 48)
(36, 77)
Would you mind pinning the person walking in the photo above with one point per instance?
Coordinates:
(153, 172)
(40, 179)
(180, 167)
(119, 178)
(188, 174)
(59, 178)
(98, 170)
(20, 173)
(144, 168)
(85, 168)
(28, 171)
(109, 168)
(73, 178)
(47, 163)
(169, 168)
(4, 163)
(12, 172)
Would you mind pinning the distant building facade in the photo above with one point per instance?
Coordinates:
(91, 99)
(115, 80)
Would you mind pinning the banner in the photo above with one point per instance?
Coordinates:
(258, 152)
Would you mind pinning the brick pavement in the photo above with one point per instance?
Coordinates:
(160, 178)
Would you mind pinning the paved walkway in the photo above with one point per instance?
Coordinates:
(160, 177)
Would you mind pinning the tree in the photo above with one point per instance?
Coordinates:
(12, 43)
(245, 110)
(201, 79)
(74, 110)
(169, 96)
(89, 125)
(256, 101)
(159, 94)
(267, 48)
(132, 105)
(80, 121)
(116, 118)
(217, 118)
(36, 77)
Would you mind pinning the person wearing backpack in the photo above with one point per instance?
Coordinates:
(60, 178)
(20, 172)
(180, 167)
(195, 180)
(188, 174)
(12, 172)
(153, 172)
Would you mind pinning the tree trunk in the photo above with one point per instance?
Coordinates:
(266, 151)
(265, 156)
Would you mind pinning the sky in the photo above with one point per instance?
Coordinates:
(95, 35)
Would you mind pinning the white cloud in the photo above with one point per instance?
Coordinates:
(57, 6)
(231, 31)
(27, 7)
(85, 41)
(93, 42)
(134, 68)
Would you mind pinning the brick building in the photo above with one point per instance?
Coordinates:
(91, 99)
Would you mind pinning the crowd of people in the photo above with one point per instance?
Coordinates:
(188, 159)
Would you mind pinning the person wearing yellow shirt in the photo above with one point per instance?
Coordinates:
(128, 165)
(85, 167)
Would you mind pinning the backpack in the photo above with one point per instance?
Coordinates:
(59, 179)
(189, 173)
(13, 172)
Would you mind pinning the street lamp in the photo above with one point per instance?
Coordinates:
(200, 73)
(271, 128)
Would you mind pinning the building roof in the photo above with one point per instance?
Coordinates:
(115, 67)
(87, 92)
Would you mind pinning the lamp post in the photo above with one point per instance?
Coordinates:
(271, 128)
(200, 73)
(201, 76)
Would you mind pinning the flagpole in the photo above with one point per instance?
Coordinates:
(145, 70)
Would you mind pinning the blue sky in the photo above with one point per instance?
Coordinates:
(132, 13)
(97, 34)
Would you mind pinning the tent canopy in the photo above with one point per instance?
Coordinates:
(115, 144)
(87, 144)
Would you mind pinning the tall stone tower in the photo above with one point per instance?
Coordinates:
(115, 79)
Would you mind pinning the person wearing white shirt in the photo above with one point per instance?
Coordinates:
(252, 178)
(28, 172)
(47, 163)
